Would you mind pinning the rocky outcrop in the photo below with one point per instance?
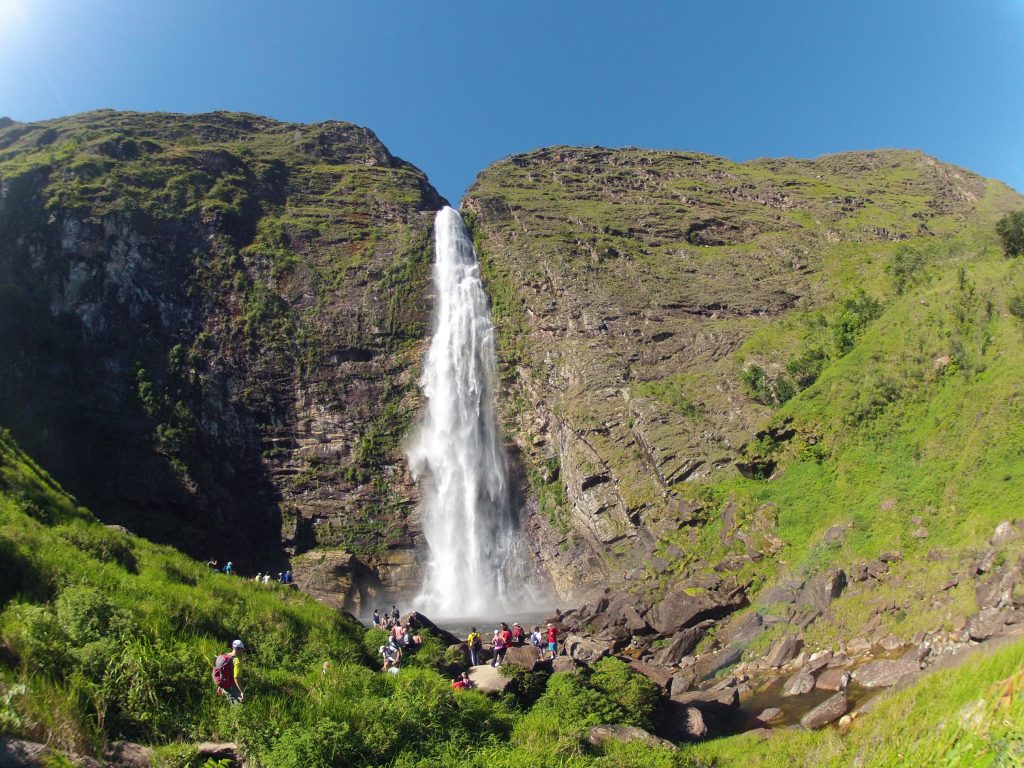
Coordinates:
(226, 310)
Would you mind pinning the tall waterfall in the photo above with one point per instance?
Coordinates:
(477, 559)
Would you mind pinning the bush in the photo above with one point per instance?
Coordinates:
(1010, 229)
(856, 312)
(634, 692)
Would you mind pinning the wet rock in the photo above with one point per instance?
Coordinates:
(784, 649)
(890, 643)
(599, 734)
(832, 680)
(800, 683)
(770, 714)
(828, 711)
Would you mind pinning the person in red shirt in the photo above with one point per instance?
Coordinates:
(506, 634)
(553, 640)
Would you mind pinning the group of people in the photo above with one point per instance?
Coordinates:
(401, 637)
(505, 637)
(283, 577)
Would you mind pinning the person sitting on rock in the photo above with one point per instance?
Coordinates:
(462, 682)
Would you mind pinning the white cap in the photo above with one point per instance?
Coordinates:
(238, 644)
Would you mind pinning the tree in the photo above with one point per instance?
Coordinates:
(1010, 229)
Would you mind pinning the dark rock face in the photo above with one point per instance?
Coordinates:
(211, 326)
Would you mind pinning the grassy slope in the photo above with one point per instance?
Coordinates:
(106, 636)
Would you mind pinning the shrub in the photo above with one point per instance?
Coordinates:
(635, 693)
(856, 312)
(1010, 229)
(904, 267)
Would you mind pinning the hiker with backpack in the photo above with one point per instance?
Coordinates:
(475, 643)
(226, 671)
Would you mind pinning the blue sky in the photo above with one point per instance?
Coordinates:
(453, 86)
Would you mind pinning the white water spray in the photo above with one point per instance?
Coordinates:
(477, 560)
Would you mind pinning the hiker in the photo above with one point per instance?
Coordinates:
(227, 670)
(266, 578)
(392, 656)
(398, 634)
(212, 564)
(499, 648)
(475, 643)
(394, 614)
(536, 638)
(553, 640)
(506, 634)
(518, 634)
(376, 618)
(287, 577)
(229, 567)
(462, 682)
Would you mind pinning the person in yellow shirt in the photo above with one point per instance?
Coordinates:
(227, 670)
(475, 644)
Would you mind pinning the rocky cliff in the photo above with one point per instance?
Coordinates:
(211, 327)
(657, 309)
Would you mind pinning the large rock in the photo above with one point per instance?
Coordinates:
(783, 649)
(417, 620)
(489, 679)
(585, 649)
(827, 712)
(882, 673)
(709, 664)
(524, 656)
(683, 641)
(834, 679)
(660, 676)
(686, 604)
(127, 754)
(800, 683)
(599, 734)
(742, 630)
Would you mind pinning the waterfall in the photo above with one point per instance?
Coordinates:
(477, 559)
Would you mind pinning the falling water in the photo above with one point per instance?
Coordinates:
(477, 559)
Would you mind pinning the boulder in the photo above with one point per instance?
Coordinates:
(742, 630)
(564, 664)
(709, 664)
(682, 681)
(988, 622)
(686, 723)
(216, 750)
(660, 676)
(882, 673)
(683, 641)
(770, 714)
(417, 620)
(727, 698)
(585, 649)
(783, 649)
(489, 679)
(821, 590)
(687, 604)
(827, 712)
(127, 754)
(526, 656)
(785, 592)
(599, 734)
(833, 680)
(799, 684)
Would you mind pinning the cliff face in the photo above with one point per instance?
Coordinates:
(656, 309)
(212, 324)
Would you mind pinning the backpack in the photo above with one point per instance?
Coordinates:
(475, 643)
(224, 671)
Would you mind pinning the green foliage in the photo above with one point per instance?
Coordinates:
(633, 692)
(905, 266)
(807, 366)
(1010, 229)
(854, 315)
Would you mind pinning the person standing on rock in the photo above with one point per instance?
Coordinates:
(394, 614)
(518, 634)
(536, 638)
(499, 648)
(475, 643)
(376, 618)
(226, 672)
(553, 640)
